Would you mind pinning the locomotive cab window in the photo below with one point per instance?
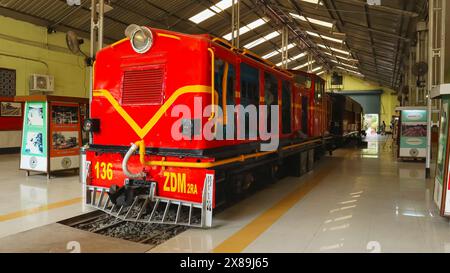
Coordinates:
(270, 89)
(270, 95)
(250, 95)
(286, 107)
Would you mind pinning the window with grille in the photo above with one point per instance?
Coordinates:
(7, 82)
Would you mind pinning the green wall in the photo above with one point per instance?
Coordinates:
(25, 40)
(388, 98)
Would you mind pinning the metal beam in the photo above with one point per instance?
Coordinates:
(369, 54)
(279, 15)
(380, 32)
(125, 24)
(42, 22)
(178, 17)
(141, 14)
(382, 8)
(396, 74)
(371, 38)
(300, 12)
(235, 23)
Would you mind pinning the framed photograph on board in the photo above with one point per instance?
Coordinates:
(10, 109)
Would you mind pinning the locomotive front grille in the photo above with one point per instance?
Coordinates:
(143, 87)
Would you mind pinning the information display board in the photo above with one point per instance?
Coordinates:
(65, 136)
(441, 185)
(52, 138)
(413, 133)
(34, 137)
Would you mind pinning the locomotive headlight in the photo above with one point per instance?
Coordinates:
(91, 125)
(87, 125)
(141, 39)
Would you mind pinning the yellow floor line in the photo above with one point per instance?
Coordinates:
(26, 212)
(244, 237)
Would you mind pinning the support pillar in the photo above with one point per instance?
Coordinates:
(235, 23)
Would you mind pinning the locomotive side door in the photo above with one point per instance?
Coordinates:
(305, 114)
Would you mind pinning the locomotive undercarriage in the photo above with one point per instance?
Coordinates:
(138, 201)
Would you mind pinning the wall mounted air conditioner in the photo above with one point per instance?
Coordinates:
(42, 83)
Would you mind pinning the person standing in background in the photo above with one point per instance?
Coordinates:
(383, 128)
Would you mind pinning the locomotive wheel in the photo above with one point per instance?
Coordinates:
(247, 182)
(293, 166)
(273, 173)
(240, 184)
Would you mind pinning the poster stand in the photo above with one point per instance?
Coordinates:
(51, 136)
(412, 132)
(441, 189)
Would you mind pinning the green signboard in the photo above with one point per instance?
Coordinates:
(440, 168)
(414, 116)
(413, 134)
(441, 187)
(34, 137)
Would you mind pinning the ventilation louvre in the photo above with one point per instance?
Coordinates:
(143, 86)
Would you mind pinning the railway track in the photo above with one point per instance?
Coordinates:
(106, 225)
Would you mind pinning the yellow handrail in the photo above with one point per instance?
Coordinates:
(240, 158)
(212, 83)
(224, 93)
(224, 42)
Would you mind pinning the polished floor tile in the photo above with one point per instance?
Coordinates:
(366, 204)
(20, 195)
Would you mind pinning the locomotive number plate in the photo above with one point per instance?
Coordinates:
(176, 182)
(103, 171)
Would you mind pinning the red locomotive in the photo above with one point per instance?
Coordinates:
(145, 162)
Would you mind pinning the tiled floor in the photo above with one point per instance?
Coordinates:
(362, 201)
(20, 195)
(365, 204)
(368, 202)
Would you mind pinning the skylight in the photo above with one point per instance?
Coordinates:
(301, 55)
(222, 5)
(335, 49)
(332, 39)
(313, 2)
(304, 65)
(211, 11)
(271, 54)
(312, 20)
(343, 58)
(349, 70)
(313, 33)
(316, 69)
(276, 52)
(324, 37)
(348, 65)
(261, 40)
(202, 16)
(257, 23)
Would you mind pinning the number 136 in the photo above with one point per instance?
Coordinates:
(103, 170)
